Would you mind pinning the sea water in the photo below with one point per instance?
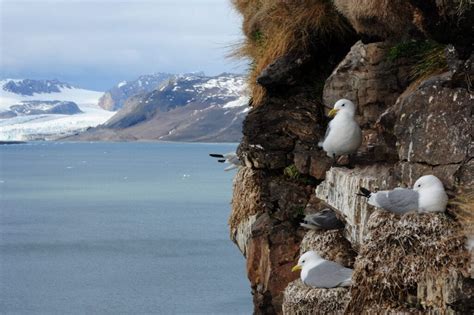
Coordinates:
(114, 228)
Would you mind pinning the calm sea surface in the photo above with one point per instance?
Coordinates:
(118, 228)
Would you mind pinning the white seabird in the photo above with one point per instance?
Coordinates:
(229, 158)
(427, 195)
(321, 273)
(343, 135)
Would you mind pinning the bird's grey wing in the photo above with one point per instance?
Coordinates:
(325, 135)
(231, 167)
(234, 160)
(398, 201)
(325, 219)
(230, 155)
(328, 274)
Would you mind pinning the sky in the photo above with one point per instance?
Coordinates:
(97, 43)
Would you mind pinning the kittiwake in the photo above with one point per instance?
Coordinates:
(343, 135)
(229, 158)
(321, 273)
(325, 219)
(427, 195)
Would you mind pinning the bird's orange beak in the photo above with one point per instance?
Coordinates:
(333, 112)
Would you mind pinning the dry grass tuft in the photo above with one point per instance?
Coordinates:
(275, 28)
(463, 208)
(397, 255)
(431, 62)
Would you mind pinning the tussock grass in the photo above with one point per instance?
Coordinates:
(463, 209)
(275, 28)
(428, 57)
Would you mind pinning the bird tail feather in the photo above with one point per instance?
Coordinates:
(346, 283)
(216, 155)
(364, 192)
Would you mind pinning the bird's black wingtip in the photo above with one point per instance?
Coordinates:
(215, 155)
(364, 192)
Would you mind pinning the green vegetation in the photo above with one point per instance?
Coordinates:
(293, 173)
(428, 57)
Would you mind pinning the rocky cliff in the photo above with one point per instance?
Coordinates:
(413, 88)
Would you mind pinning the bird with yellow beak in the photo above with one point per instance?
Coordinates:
(343, 135)
(321, 273)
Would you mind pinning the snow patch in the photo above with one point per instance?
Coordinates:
(241, 101)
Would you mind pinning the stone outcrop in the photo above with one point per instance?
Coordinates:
(340, 189)
(264, 224)
(414, 263)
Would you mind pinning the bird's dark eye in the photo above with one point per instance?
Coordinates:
(343, 105)
(419, 185)
(303, 261)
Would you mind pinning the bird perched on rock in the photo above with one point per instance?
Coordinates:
(229, 158)
(427, 195)
(343, 135)
(321, 273)
(325, 219)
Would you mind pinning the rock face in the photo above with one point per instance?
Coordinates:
(434, 109)
(264, 224)
(340, 189)
(45, 107)
(31, 87)
(411, 127)
(115, 98)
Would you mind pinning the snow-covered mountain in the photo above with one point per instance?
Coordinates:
(190, 107)
(46, 109)
(114, 98)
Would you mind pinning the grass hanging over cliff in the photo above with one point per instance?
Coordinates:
(428, 57)
(463, 209)
(276, 28)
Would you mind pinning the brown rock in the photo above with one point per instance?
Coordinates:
(246, 205)
(272, 131)
(434, 124)
(373, 83)
(272, 251)
(320, 163)
(367, 78)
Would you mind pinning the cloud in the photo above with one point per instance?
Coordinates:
(87, 39)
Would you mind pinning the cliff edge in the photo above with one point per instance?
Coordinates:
(408, 66)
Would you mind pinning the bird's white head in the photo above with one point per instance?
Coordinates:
(343, 106)
(432, 197)
(428, 182)
(305, 259)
